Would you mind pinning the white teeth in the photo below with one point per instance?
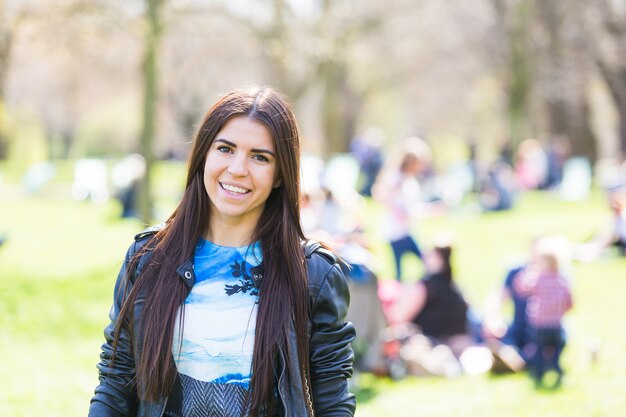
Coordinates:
(234, 189)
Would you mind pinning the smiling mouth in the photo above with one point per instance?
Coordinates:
(233, 189)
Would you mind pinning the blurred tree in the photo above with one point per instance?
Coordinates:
(69, 54)
(563, 73)
(11, 15)
(540, 56)
(60, 71)
(514, 24)
(340, 104)
(152, 38)
(608, 18)
(308, 44)
(519, 66)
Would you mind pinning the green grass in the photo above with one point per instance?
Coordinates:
(55, 290)
(485, 246)
(61, 258)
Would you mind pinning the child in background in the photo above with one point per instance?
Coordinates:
(398, 190)
(549, 297)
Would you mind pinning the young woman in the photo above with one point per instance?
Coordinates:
(225, 309)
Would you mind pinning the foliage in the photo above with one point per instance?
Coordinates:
(501, 68)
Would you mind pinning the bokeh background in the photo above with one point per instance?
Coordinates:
(88, 85)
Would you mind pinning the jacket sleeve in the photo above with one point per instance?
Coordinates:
(116, 396)
(331, 355)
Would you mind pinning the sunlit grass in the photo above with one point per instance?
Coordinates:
(59, 263)
(485, 246)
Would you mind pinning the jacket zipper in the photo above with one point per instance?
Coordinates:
(307, 392)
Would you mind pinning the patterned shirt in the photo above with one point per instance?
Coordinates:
(549, 297)
(213, 354)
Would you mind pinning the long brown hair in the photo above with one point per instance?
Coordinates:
(283, 290)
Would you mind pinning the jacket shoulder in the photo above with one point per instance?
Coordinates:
(321, 262)
(314, 250)
(149, 232)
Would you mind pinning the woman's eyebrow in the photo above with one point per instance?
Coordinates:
(229, 143)
(255, 150)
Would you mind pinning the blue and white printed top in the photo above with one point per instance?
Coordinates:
(215, 357)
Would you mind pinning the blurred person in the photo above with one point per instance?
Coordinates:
(505, 153)
(531, 164)
(38, 175)
(246, 317)
(366, 148)
(126, 176)
(614, 236)
(333, 217)
(610, 173)
(435, 303)
(437, 307)
(559, 151)
(577, 180)
(453, 186)
(90, 180)
(398, 190)
(500, 333)
(516, 332)
(617, 202)
(497, 189)
(549, 298)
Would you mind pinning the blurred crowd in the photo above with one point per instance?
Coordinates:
(427, 326)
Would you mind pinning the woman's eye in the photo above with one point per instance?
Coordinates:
(261, 158)
(223, 149)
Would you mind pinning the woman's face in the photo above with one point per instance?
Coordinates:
(240, 171)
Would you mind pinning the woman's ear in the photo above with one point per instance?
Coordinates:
(278, 183)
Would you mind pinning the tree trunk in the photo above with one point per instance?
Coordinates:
(338, 108)
(621, 111)
(519, 67)
(616, 81)
(565, 81)
(619, 97)
(6, 39)
(571, 120)
(609, 54)
(150, 98)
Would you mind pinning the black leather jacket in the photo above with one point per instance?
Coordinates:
(331, 355)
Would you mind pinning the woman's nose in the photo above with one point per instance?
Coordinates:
(238, 166)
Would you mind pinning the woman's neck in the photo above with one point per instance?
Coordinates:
(229, 234)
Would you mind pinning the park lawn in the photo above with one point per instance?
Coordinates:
(485, 246)
(58, 267)
(61, 259)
